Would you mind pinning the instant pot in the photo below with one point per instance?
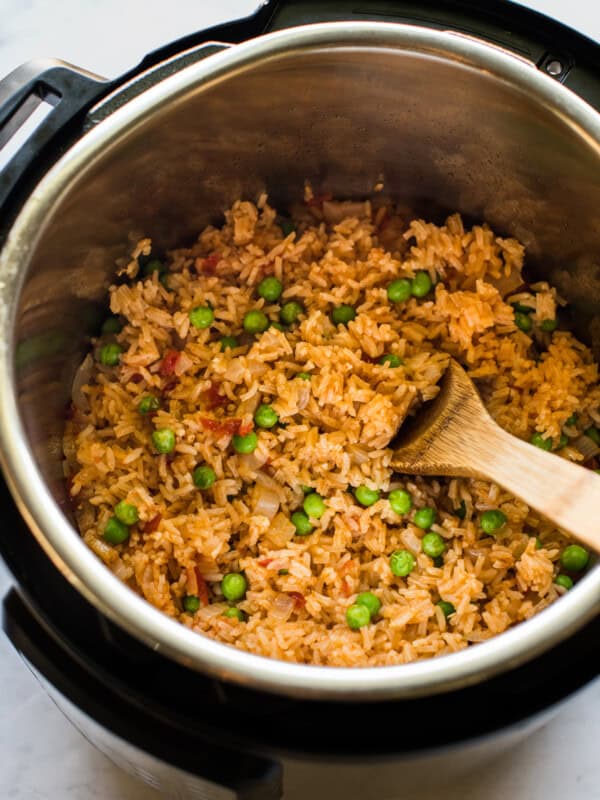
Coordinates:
(490, 111)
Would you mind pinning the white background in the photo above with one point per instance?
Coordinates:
(41, 756)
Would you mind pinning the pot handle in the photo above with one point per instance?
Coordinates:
(168, 756)
(66, 93)
(46, 85)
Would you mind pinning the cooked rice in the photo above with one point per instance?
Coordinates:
(333, 435)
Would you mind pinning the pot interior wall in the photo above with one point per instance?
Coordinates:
(443, 134)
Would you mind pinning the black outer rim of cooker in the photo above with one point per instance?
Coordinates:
(100, 668)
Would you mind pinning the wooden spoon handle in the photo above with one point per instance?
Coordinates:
(567, 494)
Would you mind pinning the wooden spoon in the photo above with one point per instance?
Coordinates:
(455, 435)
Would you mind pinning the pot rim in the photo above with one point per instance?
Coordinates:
(61, 541)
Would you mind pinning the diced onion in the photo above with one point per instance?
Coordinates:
(249, 406)
(121, 570)
(506, 284)
(254, 461)
(586, 446)
(182, 364)
(334, 211)
(282, 607)
(266, 502)
(303, 395)
(82, 378)
(256, 368)
(235, 371)
(359, 454)
(411, 541)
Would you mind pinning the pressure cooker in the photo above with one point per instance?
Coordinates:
(489, 111)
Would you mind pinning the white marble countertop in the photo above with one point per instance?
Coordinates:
(42, 757)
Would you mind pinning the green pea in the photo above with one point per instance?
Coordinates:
(115, 531)
(424, 517)
(402, 563)
(540, 441)
(433, 545)
(155, 265)
(286, 225)
(148, 404)
(343, 314)
(461, 511)
(572, 420)
(438, 561)
(126, 513)
(421, 284)
(358, 616)
(314, 505)
(399, 290)
(307, 489)
(235, 613)
(290, 312)
(564, 581)
(278, 326)
(266, 417)
(191, 603)
(562, 442)
(245, 444)
(523, 321)
(370, 601)
(110, 354)
(270, 289)
(400, 501)
(163, 440)
(491, 521)
(447, 608)
(593, 433)
(283, 572)
(302, 523)
(255, 321)
(228, 343)
(201, 317)
(522, 309)
(575, 558)
(111, 325)
(304, 376)
(365, 496)
(548, 325)
(538, 543)
(234, 586)
(204, 477)
(392, 359)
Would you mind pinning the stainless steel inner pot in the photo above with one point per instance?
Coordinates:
(448, 122)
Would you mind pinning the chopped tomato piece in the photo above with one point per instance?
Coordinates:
(170, 385)
(214, 398)
(245, 428)
(264, 562)
(208, 265)
(299, 599)
(319, 199)
(202, 588)
(221, 426)
(169, 362)
(152, 524)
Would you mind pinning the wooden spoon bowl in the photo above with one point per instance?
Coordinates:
(454, 435)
